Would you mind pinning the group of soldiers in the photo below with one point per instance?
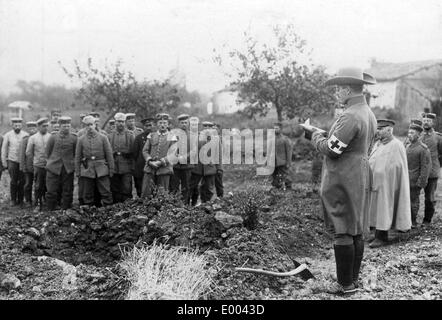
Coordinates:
(401, 170)
(370, 179)
(107, 163)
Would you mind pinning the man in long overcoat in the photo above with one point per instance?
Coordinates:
(60, 152)
(95, 163)
(345, 175)
(434, 143)
(390, 192)
(137, 154)
(122, 141)
(26, 163)
(419, 166)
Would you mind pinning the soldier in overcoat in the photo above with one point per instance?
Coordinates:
(121, 141)
(60, 152)
(137, 154)
(419, 166)
(36, 149)
(204, 173)
(182, 170)
(95, 163)
(434, 143)
(10, 159)
(345, 181)
(283, 159)
(160, 155)
(26, 163)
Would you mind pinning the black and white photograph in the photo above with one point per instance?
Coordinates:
(220, 154)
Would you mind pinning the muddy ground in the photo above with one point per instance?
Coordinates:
(75, 255)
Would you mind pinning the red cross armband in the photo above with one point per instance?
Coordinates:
(336, 145)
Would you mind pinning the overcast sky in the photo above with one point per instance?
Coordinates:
(153, 36)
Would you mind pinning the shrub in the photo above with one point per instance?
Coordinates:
(249, 202)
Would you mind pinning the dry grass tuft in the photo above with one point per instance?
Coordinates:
(157, 273)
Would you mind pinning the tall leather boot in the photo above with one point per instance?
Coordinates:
(344, 256)
(358, 244)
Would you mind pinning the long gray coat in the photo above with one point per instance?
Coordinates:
(346, 179)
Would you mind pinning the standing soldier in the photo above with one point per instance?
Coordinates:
(96, 115)
(94, 162)
(26, 163)
(159, 152)
(1, 164)
(219, 186)
(80, 183)
(55, 126)
(345, 175)
(11, 161)
(60, 152)
(83, 126)
(283, 159)
(434, 143)
(130, 124)
(137, 153)
(182, 170)
(121, 142)
(203, 172)
(36, 149)
(419, 166)
(110, 126)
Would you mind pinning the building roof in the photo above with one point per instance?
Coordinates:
(20, 104)
(386, 71)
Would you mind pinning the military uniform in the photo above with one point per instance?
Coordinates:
(159, 146)
(26, 166)
(60, 169)
(135, 132)
(419, 166)
(36, 148)
(121, 182)
(94, 163)
(10, 159)
(138, 157)
(182, 172)
(434, 144)
(204, 173)
(283, 160)
(1, 165)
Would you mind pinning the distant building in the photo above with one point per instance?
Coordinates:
(225, 101)
(18, 109)
(409, 87)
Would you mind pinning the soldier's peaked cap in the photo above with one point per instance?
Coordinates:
(42, 121)
(94, 114)
(350, 76)
(16, 120)
(148, 119)
(416, 121)
(162, 116)
(89, 120)
(111, 121)
(416, 127)
(183, 116)
(120, 116)
(385, 123)
(130, 116)
(64, 120)
(31, 124)
(429, 115)
(207, 123)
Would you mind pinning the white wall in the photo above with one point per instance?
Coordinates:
(386, 94)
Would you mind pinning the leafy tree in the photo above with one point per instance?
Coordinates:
(278, 74)
(116, 90)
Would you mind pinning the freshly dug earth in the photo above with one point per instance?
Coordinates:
(254, 227)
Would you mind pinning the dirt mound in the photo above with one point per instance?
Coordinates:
(257, 228)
